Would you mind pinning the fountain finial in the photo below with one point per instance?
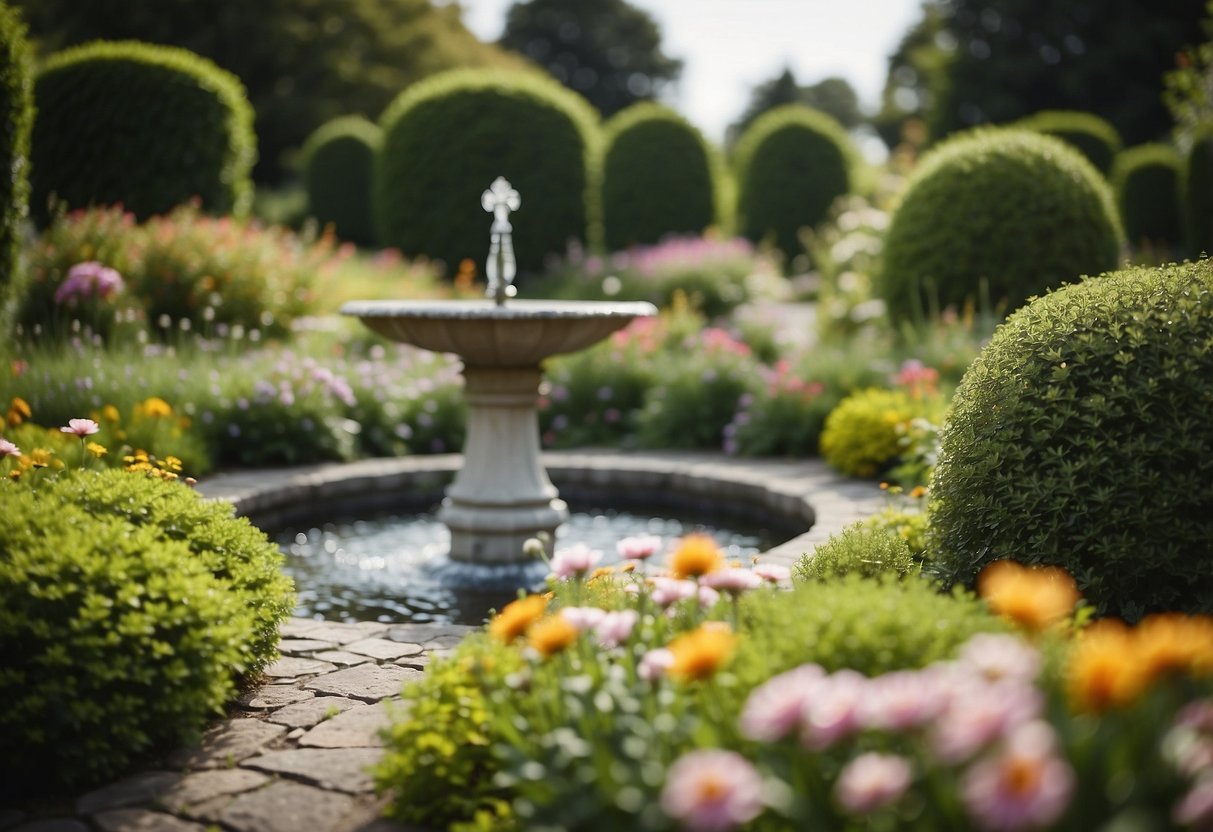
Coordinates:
(499, 200)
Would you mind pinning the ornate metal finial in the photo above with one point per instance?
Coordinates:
(499, 200)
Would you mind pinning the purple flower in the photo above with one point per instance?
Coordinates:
(832, 712)
(88, 279)
(900, 701)
(577, 560)
(872, 781)
(654, 664)
(668, 591)
(774, 709)
(978, 713)
(1025, 786)
(615, 627)
(8, 449)
(81, 427)
(712, 791)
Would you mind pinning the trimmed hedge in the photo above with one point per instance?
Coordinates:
(1147, 180)
(129, 610)
(146, 126)
(1080, 437)
(1095, 137)
(16, 121)
(1198, 191)
(791, 164)
(996, 216)
(338, 165)
(659, 177)
(446, 139)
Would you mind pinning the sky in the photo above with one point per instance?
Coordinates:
(730, 46)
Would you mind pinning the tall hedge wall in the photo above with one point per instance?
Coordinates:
(1095, 137)
(338, 165)
(1146, 180)
(1198, 191)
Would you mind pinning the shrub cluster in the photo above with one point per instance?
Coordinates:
(863, 436)
(447, 138)
(148, 127)
(1198, 191)
(859, 549)
(16, 121)
(791, 164)
(996, 216)
(338, 167)
(1077, 438)
(1147, 181)
(659, 177)
(1093, 136)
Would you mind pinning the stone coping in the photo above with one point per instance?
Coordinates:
(801, 496)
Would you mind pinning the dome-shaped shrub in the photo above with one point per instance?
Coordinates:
(1081, 437)
(996, 216)
(659, 177)
(791, 164)
(16, 119)
(1198, 191)
(1146, 179)
(1095, 137)
(124, 625)
(338, 161)
(147, 126)
(448, 137)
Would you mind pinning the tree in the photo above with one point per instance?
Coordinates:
(303, 62)
(834, 96)
(607, 50)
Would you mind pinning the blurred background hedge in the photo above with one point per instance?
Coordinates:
(338, 166)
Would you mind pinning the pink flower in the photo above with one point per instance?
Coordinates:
(1026, 786)
(978, 713)
(707, 597)
(576, 560)
(582, 618)
(8, 449)
(772, 572)
(900, 701)
(614, 627)
(1195, 809)
(81, 427)
(832, 712)
(669, 591)
(640, 547)
(774, 708)
(872, 781)
(999, 656)
(654, 664)
(732, 580)
(86, 279)
(712, 791)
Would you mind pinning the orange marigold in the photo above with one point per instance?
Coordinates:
(1175, 643)
(701, 652)
(551, 635)
(696, 555)
(1104, 670)
(517, 617)
(1033, 597)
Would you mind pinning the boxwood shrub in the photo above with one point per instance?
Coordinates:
(129, 610)
(1147, 179)
(1198, 191)
(659, 177)
(859, 549)
(1080, 437)
(143, 125)
(996, 216)
(445, 140)
(338, 161)
(16, 120)
(1093, 136)
(791, 164)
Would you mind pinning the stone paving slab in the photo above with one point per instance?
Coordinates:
(369, 682)
(203, 786)
(292, 667)
(227, 744)
(385, 649)
(356, 728)
(312, 712)
(144, 820)
(340, 769)
(288, 807)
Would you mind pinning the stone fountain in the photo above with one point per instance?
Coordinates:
(501, 495)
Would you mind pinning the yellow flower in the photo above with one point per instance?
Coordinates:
(701, 652)
(696, 555)
(551, 635)
(171, 463)
(1033, 597)
(96, 449)
(110, 413)
(154, 407)
(1175, 643)
(1103, 671)
(517, 617)
(18, 411)
(38, 458)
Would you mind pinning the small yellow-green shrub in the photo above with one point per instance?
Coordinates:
(861, 437)
(859, 549)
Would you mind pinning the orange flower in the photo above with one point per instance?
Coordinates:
(517, 617)
(696, 555)
(1033, 597)
(701, 652)
(1104, 671)
(551, 635)
(1175, 643)
(18, 411)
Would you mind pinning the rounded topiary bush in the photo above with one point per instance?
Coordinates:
(446, 139)
(791, 164)
(659, 177)
(16, 120)
(146, 126)
(1093, 136)
(996, 216)
(1198, 191)
(1147, 179)
(338, 164)
(129, 610)
(1080, 437)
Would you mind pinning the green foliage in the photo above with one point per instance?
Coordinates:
(907, 523)
(16, 121)
(338, 162)
(1093, 136)
(123, 625)
(445, 141)
(859, 549)
(996, 216)
(833, 96)
(791, 165)
(1189, 86)
(1078, 438)
(659, 177)
(150, 127)
(607, 50)
(1146, 180)
(862, 436)
(1198, 191)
